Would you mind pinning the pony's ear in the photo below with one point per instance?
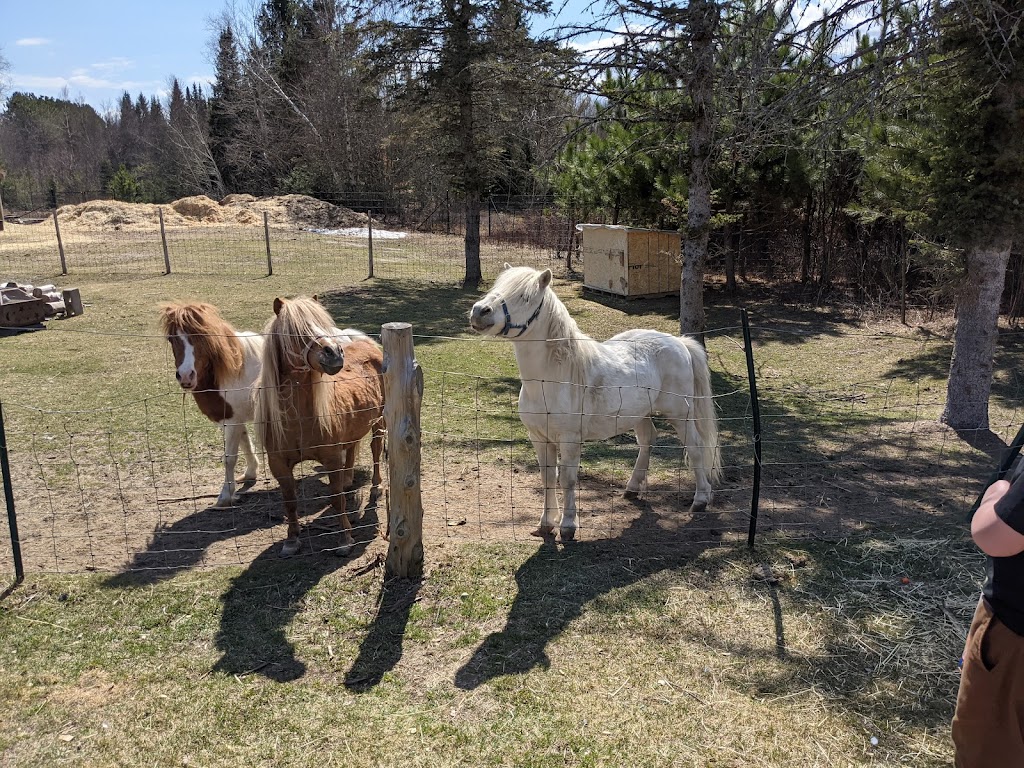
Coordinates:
(507, 265)
(545, 279)
(278, 303)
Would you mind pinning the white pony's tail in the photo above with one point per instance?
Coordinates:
(704, 415)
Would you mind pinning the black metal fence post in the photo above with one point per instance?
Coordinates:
(755, 494)
(12, 520)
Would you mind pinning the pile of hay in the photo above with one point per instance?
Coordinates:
(299, 211)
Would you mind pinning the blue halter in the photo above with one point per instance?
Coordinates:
(509, 325)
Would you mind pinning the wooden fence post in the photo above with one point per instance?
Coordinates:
(369, 232)
(403, 395)
(60, 245)
(266, 237)
(163, 242)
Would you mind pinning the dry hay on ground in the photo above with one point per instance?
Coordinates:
(300, 211)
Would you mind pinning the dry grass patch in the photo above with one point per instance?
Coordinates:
(795, 654)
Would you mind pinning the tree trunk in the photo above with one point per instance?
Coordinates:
(807, 229)
(703, 17)
(473, 272)
(730, 238)
(974, 341)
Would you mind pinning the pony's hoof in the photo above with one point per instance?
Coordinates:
(290, 547)
(631, 495)
(567, 534)
(223, 502)
(544, 532)
(343, 551)
(698, 508)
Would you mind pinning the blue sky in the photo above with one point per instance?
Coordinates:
(97, 49)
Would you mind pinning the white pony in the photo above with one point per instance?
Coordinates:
(576, 389)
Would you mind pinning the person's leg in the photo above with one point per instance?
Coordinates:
(986, 724)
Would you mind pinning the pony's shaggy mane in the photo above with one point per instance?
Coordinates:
(566, 342)
(287, 334)
(218, 350)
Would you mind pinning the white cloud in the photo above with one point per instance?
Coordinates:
(116, 64)
(27, 41)
(80, 78)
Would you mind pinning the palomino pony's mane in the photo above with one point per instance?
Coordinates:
(566, 342)
(287, 334)
(218, 350)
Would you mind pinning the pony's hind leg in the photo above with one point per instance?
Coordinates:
(547, 457)
(377, 450)
(698, 457)
(645, 434)
(252, 462)
(336, 480)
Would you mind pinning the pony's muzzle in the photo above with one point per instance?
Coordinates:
(187, 380)
(481, 317)
(331, 359)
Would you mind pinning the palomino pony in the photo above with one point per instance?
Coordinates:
(319, 394)
(219, 366)
(576, 389)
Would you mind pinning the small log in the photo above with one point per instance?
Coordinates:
(403, 396)
(39, 290)
(54, 308)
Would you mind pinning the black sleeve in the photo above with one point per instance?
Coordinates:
(1010, 508)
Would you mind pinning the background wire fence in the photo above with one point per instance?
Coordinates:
(129, 486)
(117, 238)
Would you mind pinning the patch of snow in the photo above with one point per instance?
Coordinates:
(382, 234)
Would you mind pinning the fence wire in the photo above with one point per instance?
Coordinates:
(129, 485)
(42, 245)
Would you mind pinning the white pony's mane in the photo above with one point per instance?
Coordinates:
(566, 344)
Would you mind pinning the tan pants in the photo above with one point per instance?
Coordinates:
(988, 725)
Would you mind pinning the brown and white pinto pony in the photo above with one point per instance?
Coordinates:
(321, 391)
(219, 366)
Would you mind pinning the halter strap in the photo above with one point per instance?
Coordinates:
(509, 325)
(305, 355)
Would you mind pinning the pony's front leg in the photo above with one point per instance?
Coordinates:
(232, 436)
(377, 450)
(568, 475)
(547, 456)
(282, 472)
(645, 434)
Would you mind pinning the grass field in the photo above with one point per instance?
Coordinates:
(657, 639)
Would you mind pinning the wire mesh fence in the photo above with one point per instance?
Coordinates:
(128, 482)
(288, 235)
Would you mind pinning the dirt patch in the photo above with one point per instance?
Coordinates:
(297, 211)
(159, 518)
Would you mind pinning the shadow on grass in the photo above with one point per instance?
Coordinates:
(182, 545)
(381, 649)
(559, 580)
(264, 600)
(888, 648)
(437, 310)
